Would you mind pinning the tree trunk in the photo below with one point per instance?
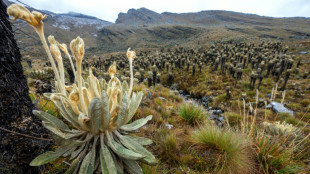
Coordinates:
(16, 151)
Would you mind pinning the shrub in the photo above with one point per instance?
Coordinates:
(273, 158)
(235, 156)
(192, 114)
(98, 113)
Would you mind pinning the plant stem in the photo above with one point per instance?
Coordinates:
(48, 52)
(72, 65)
(131, 77)
(79, 79)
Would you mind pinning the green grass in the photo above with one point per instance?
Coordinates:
(192, 114)
(45, 105)
(295, 106)
(219, 99)
(305, 102)
(307, 116)
(168, 146)
(149, 169)
(234, 150)
(273, 158)
(233, 118)
(290, 119)
(158, 101)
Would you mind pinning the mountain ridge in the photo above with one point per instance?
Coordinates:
(144, 28)
(144, 16)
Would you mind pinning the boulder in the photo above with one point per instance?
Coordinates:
(280, 108)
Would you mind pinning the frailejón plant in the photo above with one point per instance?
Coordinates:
(98, 137)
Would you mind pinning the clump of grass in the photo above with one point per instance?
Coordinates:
(234, 149)
(200, 163)
(290, 119)
(233, 118)
(247, 70)
(305, 102)
(158, 101)
(274, 158)
(149, 169)
(295, 106)
(192, 114)
(307, 116)
(219, 99)
(168, 146)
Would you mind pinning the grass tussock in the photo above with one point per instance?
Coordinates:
(168, 145)
(276, 155)
(192, 114)
(234, 149)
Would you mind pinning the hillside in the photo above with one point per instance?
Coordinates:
(64, 27)
(146, 28)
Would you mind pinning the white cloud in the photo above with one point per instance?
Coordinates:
(109, 9)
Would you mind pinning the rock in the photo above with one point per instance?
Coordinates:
(269, 106)
(205, 104)
(149, 94)
(162, 98)
(213, 117)
(205, 99)
(174, 86)
(280, 108)
(221, 119)
(303, 52)
(218, 112)
(169, 126)
(174, 92)
(261, 102)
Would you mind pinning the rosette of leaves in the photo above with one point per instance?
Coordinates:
(282, 129)
(101, 137)
(96, 133)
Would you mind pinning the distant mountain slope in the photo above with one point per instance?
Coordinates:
(74, 20)
(64, 27)
(143, 16)
(145, 28)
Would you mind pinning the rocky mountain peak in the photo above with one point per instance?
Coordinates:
(139, 16)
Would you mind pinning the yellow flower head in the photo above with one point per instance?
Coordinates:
(112, 69)
(77, 49)
(131, 54)
(74, 96)
(19, 12)
(51, 39)
(54, 48)
(63, 48)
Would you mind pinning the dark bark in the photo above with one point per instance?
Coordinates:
(16, 152)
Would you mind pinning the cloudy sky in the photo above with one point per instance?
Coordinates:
(109, 9)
